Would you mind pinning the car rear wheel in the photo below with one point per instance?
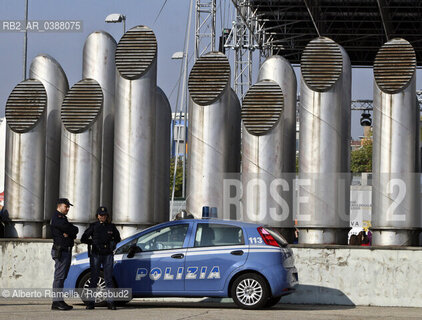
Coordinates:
(250, 291)
(272, 301)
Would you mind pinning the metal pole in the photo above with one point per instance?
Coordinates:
(185, 112)
(183, 106)
(25, 41)
(213, 20)
(185, 55)
(197, 26)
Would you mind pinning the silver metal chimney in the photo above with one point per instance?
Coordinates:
(395, 163)
(324, 144)
(25, 158)
(134, 134)
(162, 158)
(99, 64)
(47, 70)
(80, 166)
(268, 145)
(213, 133)
(234, 132)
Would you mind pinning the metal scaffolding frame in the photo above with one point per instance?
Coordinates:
(367, 105)
(240, 40)
(285, 27)
(205, 17)
(247, 35)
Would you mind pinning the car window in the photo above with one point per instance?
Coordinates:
(125, 247)
(214, 234)
(166, 238)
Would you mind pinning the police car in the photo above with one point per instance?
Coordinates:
(200, 258)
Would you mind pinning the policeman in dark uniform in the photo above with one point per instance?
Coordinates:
(103, 236)
(63, 233)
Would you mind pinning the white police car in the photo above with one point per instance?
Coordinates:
(200, 258)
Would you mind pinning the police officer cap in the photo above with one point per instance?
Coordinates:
(65, 201)
(102, 211)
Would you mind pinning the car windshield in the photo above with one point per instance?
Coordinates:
(171, 237)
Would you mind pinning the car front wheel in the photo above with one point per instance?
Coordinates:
(250, 291)
(84, 283)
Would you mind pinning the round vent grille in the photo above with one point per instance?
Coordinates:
(25, 105)
(135, 52)
(321, 64)
(82, 105)
(394, 65)
(262, 107)
(209, 77)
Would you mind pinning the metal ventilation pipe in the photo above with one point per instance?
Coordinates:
(80, 166)
(47, 70)
(99, 64)
(162, 158)
(213, 133)
(395, 163)
(233, 126)
(25, 158)
(324, 145)
(269, 145)
(134, 134)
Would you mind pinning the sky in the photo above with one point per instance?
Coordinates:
(169, 27)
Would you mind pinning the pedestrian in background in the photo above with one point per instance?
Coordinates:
(64, 233)
(3, 218)
(103, 237)
(296, 234)
(364, 239)
(354, 240)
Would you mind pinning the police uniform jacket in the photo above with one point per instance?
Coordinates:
(59, 225)
(103, 237)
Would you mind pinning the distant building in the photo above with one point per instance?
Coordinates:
(355, 144)
(179, 138)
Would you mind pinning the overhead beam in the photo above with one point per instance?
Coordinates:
(385, 18)
(309, 8)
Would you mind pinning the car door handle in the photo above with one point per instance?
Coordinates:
(178, 256)
(237, 252)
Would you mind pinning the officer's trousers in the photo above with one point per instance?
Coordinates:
(96, 260)
(61, 269)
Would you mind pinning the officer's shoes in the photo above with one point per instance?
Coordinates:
(111, 306)
(60, 305)
(90, 306)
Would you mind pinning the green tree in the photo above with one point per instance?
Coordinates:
(179, 177)
(361, 159)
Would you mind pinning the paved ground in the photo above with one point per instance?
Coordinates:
(173, 309)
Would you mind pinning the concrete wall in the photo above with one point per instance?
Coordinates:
(360, 276)
(327, 274)
(27, 263)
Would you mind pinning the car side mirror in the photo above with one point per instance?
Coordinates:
(133, 250)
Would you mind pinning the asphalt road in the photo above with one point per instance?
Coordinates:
(173, 309)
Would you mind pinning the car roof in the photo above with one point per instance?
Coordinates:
(212, 220)
(240, 224)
